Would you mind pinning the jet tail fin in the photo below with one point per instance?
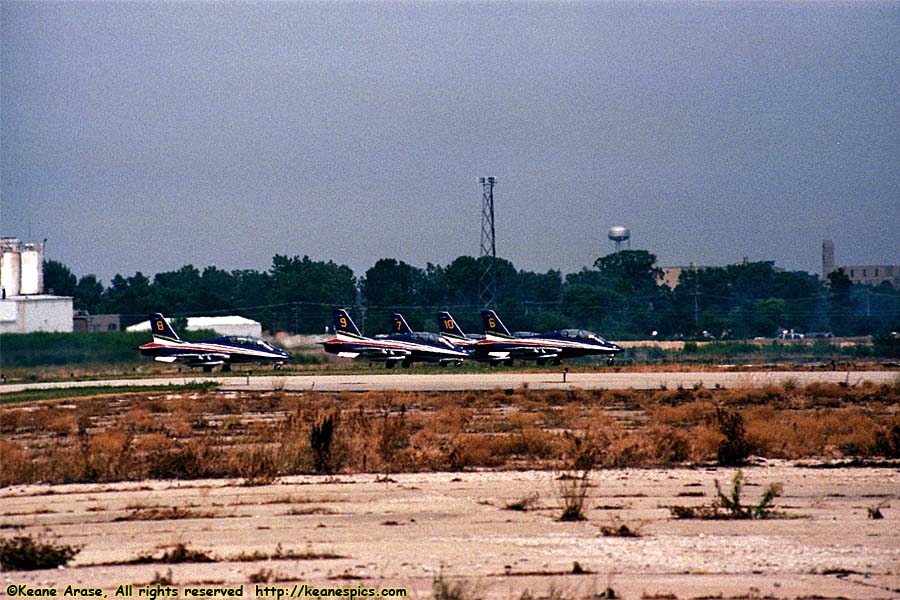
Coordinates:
(399, 325)
(344, 324)
(448, 326)
(159, 327)
(493, 325)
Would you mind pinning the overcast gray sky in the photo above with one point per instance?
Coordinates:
(145, 136)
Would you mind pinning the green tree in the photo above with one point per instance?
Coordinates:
(630, 271)
(766, 317)
(391, 283)
(461, 278)
(178, 292)
(633, 275)
(131, 297)
(841, 309)
(307, 289)
(58, 279)
(540, 288)
(591, 307)
(748, 299)
(393, 286)
(88, 294)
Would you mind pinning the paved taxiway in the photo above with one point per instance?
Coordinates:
(485, 381)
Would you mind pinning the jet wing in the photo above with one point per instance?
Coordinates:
(210, 359)
(382, 353)
(526, 351)
(511, 350)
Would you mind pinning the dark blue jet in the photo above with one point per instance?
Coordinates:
(499, 345)
(404, 346)
(224, 351)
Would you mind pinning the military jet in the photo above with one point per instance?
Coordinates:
(552, 346)
(453, 333)
(404, 346)
(224, 351)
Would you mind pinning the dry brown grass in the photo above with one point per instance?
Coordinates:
(260, 436)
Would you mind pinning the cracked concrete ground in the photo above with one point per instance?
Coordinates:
(409, 529)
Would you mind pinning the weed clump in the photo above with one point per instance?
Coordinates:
(445, 590)
(179, 553)
(320, 439)
(874, 512)
(734, 449)
(573, 491)
(730, 507)
(616, 528)
(261, 576)
(24, 553)
(523, 504)
(887, 442)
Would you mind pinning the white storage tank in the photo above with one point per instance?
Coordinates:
(10, 267)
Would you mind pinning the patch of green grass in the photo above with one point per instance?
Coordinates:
(100, 390)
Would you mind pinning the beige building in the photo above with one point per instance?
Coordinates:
(85, 323)
(670, 275)
(873, 275)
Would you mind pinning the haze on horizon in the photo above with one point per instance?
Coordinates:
(143, 136)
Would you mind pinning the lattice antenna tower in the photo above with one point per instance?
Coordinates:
(487, 288)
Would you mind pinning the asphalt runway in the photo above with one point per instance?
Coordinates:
(448, 381)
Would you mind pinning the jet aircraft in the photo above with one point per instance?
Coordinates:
(500, 345)
(453, 333)
(403, 346)
(224, 351)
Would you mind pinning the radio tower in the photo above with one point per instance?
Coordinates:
(487, 288)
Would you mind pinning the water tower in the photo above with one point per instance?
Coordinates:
(620, 235)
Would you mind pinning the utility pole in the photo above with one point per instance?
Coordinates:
(696, 296)
(487, 285)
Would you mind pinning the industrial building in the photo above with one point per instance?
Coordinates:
(671, 275)
(873, 275)
(86, 323)
(24, 308)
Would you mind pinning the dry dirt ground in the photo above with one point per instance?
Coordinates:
(407, 530)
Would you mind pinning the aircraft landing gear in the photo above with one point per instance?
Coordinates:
(226, 368)
(406, 364)
(556, 362)
(610, 360)
(207, 368)
(389, 364)
(508, 362)
(277, 366)
(541, 362)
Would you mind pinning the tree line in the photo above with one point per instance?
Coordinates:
(619, 297)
